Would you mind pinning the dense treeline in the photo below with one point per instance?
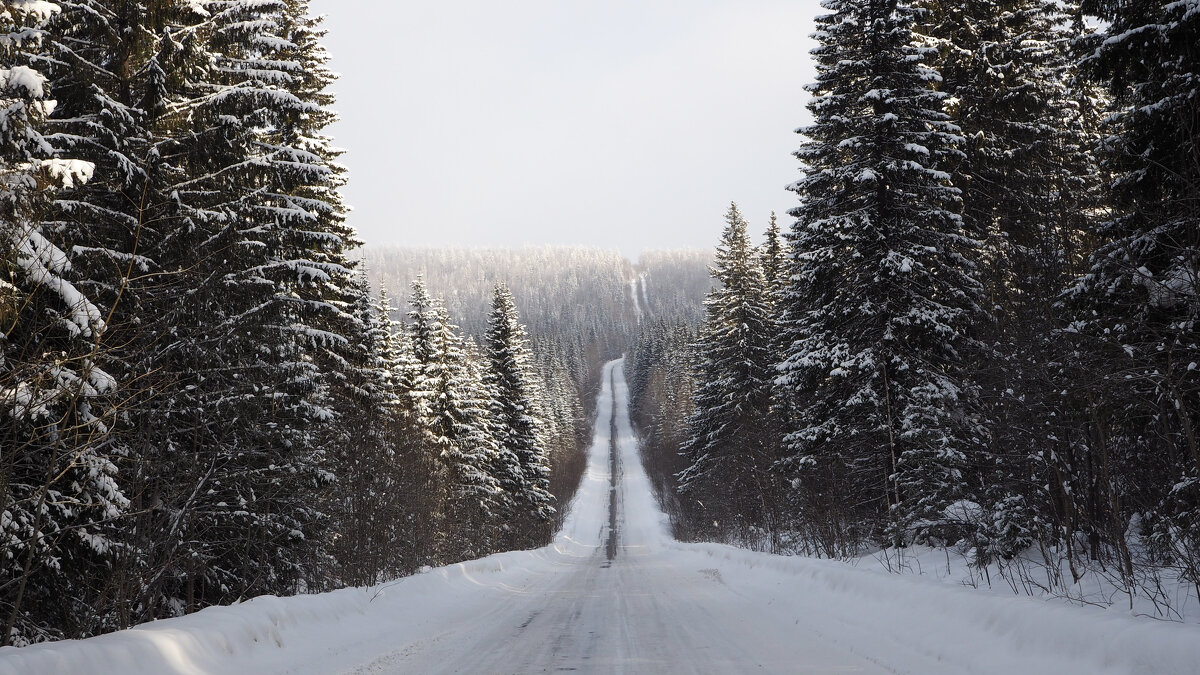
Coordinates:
(670, 285)
(443, 451)
(581, 306)
(576, 307)
(981, 332)
(575, 301)
(660, 402)
(200, 398)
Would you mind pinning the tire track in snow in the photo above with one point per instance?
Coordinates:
(610, 546)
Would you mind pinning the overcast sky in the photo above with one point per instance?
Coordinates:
(624, 124)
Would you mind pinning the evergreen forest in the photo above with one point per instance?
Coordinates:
(975, 332)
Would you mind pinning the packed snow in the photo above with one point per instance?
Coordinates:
(649, 604)
(633, 293)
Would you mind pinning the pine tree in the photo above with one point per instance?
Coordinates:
(1005, 70)
(368, 447)
(882, 293)
(229, 469)
(523, 462)
(1026, 178)
(451, 410)
(773, 257)
(1136, 306)
(728, 447)
(58, 491)
(103, 62)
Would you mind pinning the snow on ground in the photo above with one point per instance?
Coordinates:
(654, 605)
(633, 293)
(1156, 593)
(642, 283)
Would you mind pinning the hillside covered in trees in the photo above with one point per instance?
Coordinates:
(581, 308)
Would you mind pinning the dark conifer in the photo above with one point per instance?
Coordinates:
(882, 292)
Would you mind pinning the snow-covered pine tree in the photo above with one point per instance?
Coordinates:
(420, 349)
(103, 65)
(311, 265)
(406, 505)
(1026, 178)
(523, 462)
(1138, 301)
(729, 449)
(1005, 70)
(882, 294)
(773, 257)
(369, 507)
(58, 491)
(451, 409)
(233, 474)
(101, 74)
(400, 356)
(213, 238)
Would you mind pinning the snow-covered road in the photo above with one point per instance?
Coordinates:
(617, 599)
(615, 594)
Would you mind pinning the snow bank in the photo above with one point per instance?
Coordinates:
(1159, 593)
(211, 640)
(950, 624)
(322, 633)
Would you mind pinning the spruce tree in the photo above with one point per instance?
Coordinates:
(58, 488)
(368, 448)
(1136, 305)
(882, 293)
(103, 59)
(728, 449)
(773, 258)
(523, 462)
(451, 409)
(229, 467)
(1027, 181)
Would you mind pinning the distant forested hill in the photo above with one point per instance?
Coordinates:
(566, 293)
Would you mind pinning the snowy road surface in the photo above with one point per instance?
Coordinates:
(618, 602)
(615, 594)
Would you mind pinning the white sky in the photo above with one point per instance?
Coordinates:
(624, 124)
